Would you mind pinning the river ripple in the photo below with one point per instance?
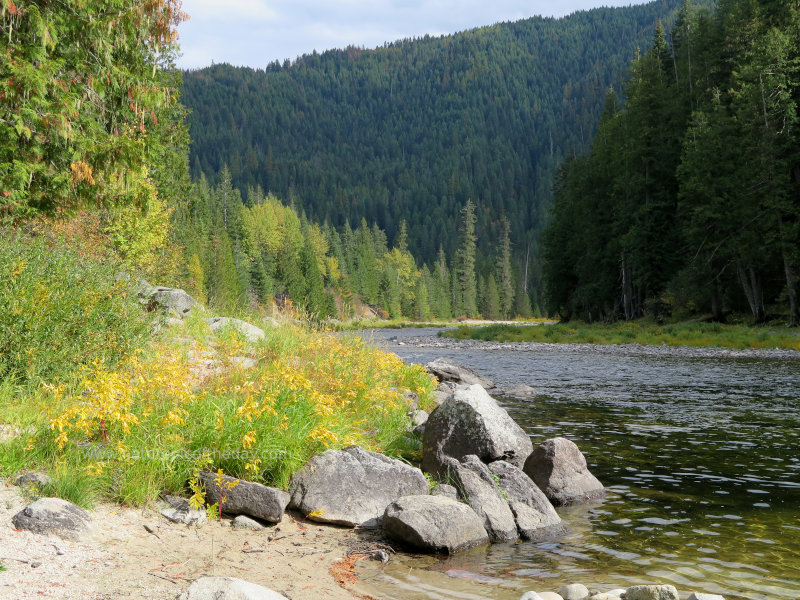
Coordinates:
(700, 449)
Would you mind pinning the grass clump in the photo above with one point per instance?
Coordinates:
(639, 332)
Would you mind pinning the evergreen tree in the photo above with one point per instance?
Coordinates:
(465, 262)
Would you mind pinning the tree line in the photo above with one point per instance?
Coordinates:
(689, 199)
(255, 251)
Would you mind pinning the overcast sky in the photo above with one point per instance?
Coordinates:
(257, 32)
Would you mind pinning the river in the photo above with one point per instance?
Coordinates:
(700, 452)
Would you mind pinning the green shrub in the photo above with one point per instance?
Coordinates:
(60, 311)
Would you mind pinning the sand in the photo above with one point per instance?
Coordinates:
(120, 559)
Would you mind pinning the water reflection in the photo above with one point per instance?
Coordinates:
(702, 456)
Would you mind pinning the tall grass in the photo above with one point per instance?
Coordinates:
(59, 311)
(640, 332)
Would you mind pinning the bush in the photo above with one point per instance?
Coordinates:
(60, 311)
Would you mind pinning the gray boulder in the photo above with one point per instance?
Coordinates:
(471, 422)
(177, 510)
(699, 596)
(434, 524)
(447, 370)
(227, 588)
(530, 596)
(475, 483)
(353, 486)
(246, 497)
(575, 591)
(172, 300)
(651, 592)
(32, 480)
(53, 516)
(533, 513)
(550, 596)
(559, 468)
(246, 523)
(250, 332)
(443, 489)
(419, 418)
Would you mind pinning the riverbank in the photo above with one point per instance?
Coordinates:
(714, 335)
(619, 349)
(136, 553)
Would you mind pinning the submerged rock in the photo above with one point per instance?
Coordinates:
(434, 524)
(353, 486)
(651, 592)
(575, 591)
(471, 422)
(559, 468)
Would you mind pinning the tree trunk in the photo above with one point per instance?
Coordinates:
(717, 314)
(627, 291)
(751, 284)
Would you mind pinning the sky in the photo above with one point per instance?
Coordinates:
(256, 32)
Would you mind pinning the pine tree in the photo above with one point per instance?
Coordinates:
(465, 262)
(506, 277)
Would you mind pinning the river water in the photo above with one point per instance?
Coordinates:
(700, 452)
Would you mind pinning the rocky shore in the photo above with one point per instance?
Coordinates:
(434, 341)
(483, 482)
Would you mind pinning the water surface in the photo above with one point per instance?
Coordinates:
(701, 456)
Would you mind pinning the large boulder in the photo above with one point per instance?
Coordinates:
(447, 370)
(533, 512)
(475, 484)
(250, 332)
(559, 468)
(171, 300)
(53, 516)
(434, 524)
(246, 497)
(471, 422)
(227, 588)
(651, 592)
(353, 486)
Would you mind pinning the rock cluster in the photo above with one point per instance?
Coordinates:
(577, 591)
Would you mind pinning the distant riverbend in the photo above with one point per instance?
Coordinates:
(699, 447)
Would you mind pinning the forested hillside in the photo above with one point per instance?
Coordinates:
(689, 199)
(411, 131)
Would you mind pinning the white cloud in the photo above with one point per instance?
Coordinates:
(256, 32)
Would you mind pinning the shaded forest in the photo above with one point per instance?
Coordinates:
(689, 199)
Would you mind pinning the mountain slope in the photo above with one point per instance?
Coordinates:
(412, 130)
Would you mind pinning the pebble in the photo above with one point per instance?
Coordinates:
(697, 596)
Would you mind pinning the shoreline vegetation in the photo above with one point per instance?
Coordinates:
(121, 405)
(643, 332)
